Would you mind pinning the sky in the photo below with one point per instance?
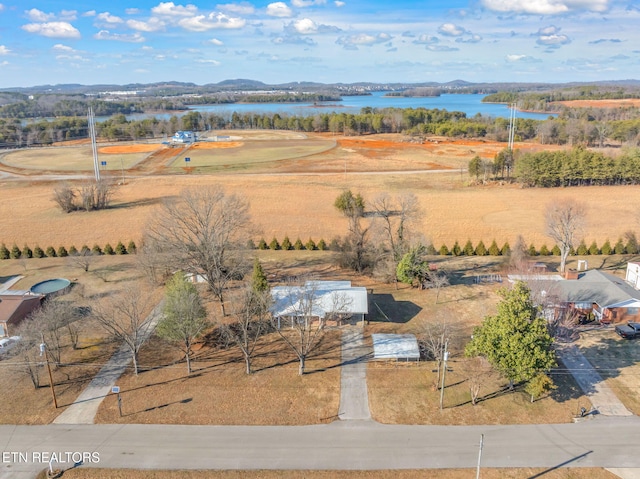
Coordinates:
(139, 41)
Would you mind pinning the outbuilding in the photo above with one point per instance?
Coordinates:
(398, 347)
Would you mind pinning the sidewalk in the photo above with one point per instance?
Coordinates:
(601, 396)
(84, 408)
(354, 399)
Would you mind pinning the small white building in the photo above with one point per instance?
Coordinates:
(183, 137)
(326, 301)
(398, 347)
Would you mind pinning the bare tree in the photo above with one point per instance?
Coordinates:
(435, 339)
(127, 317)
(300, 315)
(203, 230)
(437, 279)
(97, 195)
(519, 256)
(50, 321)
(83, 259)
(184, 317)
(29, 352)
(565, 219)
(478, 371)
(247, 321)
(156, 262)
(65, 198)
(396, 214)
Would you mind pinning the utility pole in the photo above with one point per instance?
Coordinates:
(445, 357)
(479, 456)
(43, 349)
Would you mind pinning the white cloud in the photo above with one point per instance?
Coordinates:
(441, 48)
(545, 7)
(339, 4)
(469, 38)
(451, 30)
(210, 62)
(36, 15)
(90, 13)
(119, 37)
(153, 25)
(553, 40)
(363, 39)
(62, 48)
(172, 10)
(243, 8)
(279, 9)
(306, 3)
(550, 30)
(215, 41)
(1, 7)
(305, 26)
(53, 29)
(521, 59)
(4, 63)
(108, 19)
(201, 23)
(68, 15)
(425, 40)
(132, 11)
(4, 50)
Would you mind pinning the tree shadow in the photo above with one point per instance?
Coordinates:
(385, 308)
(133, 204)
(161, 406)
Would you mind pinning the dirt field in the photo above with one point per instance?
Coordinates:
(622, 103)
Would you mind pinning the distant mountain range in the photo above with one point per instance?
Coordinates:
(177, 88)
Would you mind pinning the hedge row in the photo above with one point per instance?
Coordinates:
(286, 244)
(50, 252)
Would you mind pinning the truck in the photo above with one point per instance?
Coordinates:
(629, 330)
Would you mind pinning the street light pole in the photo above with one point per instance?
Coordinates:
(445, 357)
(479, 456)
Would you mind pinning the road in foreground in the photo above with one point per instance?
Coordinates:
(349, 445)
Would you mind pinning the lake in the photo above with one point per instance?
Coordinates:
(470, 104)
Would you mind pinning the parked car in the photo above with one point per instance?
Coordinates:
(629, 330)
(7, 344)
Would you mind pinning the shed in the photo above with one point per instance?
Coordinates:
(399, 347)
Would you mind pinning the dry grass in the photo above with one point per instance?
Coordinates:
(621, 103)
(30, 406)
(506, 473)
(219, 392)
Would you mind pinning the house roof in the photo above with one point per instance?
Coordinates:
(395, 346)
(598, 287)
(15, 307)
(319, 298)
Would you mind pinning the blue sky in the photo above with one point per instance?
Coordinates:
(59, 41)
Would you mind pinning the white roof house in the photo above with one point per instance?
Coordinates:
(320, 299)
(395, 346)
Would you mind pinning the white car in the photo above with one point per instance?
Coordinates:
(6, 344)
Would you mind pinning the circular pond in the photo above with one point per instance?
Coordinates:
(52, 286)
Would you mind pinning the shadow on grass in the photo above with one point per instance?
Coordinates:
(133, 204)
(385, 308)
(561, 465)
(161, 406)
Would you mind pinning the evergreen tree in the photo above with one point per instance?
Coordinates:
(431, 250)
(274, 245)
(132, 248)
(286, 243)
(120, 249)
(250, 244)
(582, 249)
(506, 249)
(632, 243)
(15, 252)
(413, 268)
(456, 250)
(108, 249)
(84, 251)
(96, 250)
(62, 252)
(310, 245)
(51, 252)
(619, 247)
(516, 340)
(538, 385)
(481, 249)
(532, 251)
(27, 252)
(544, 250)
(262, 244)
(493, 249)
(468, 249)
(606, 248)
(444, 251)
(322, 246)
(38, 252)
(73, 251)
(298, 245)
(4, 251)
(593, 248)
(259, 282)
(555, 251)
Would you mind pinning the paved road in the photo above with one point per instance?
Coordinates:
(350, 445)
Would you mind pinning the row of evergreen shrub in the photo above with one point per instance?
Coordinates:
(286, 244)
(50, 252)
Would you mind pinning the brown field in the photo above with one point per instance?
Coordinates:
(120, 149)
(217, 145)
(487, 473)
(621, 103)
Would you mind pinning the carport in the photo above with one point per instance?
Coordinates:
(398, 347)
